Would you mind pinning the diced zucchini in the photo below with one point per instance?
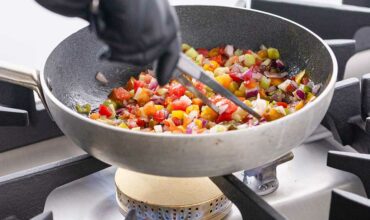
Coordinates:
(192, 53)
(249, 60)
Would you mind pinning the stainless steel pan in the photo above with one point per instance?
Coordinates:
(69, 78)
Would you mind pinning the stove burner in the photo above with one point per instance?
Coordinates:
(154, 197)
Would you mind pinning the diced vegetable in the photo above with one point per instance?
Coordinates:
(83, 109)
(249, 60)
(258, 78)
(265, 82)
(299, 76)
(192, 53)
(105, 111)
(273, 53)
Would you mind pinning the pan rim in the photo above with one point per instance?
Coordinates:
(301, 112)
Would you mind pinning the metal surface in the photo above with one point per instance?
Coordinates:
(304, 193)
(27, 190)
(322, 19)
(190, 68)
(22, 76)
(355, 163)
(345, 205)
(190, 86)
(262, 180)
(71, 68)
(155, 197)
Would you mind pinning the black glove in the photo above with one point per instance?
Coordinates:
(136, 31)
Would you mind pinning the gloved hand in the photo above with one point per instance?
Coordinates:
(136, 31)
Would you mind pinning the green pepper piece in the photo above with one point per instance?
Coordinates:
(84, 109)
(109, 102)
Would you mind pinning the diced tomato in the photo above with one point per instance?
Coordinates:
(284, 104)
(119, 94)
(247, 51)
(176, 90)
(221, 51)
(179, 105)
(159, 116)
(203, 51)
(258, 62)
(227, 114)
(236, 77)
(218, 59)
(130, 84)
(177, 121)
(290, 88)
(138, 84)
(104, 110)
(305, 80)
(140, 122)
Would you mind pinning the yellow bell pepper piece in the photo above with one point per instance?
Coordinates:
(191, 108)
(198, 123)
(159, 107)
(178, 114)
(299, 105)
(208, 114)
(224, 80)
(123, 125)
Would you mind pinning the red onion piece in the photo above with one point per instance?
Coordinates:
(251, 93)
(300, 94)
(236, 68)
(257, 76)
(271, 89)
(158, 100)
(316, 88)
(280, 64)
(222, 108)
(153, 84)
(120, 110)
(247, 75)
(229, 50)
(204, 122)
(294, 84)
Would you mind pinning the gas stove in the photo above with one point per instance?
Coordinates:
(328, 178)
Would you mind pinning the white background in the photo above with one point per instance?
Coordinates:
(28, 32)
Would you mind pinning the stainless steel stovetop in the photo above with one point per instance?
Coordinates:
(304, 191)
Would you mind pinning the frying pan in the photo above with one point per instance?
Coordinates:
(69, 78)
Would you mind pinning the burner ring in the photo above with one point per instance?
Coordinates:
(210, 205)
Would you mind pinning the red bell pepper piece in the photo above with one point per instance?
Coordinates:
(138, 84)
(203, 51)
(284, 104)
(176, 91)
(104, 110)
(159, 116)
(179, 105)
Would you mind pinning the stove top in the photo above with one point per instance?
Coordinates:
(299, 196)
(74, 185)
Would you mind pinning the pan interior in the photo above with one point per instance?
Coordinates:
(72, 66)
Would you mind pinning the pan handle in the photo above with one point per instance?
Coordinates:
(22, 76)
